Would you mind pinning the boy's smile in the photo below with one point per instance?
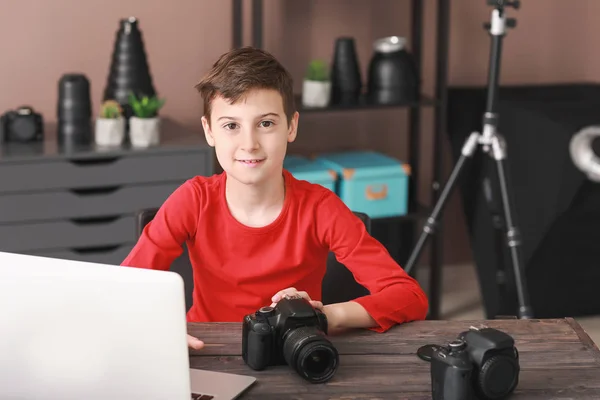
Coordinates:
(251, 163)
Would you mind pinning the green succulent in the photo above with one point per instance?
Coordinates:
(110, 109)
(317, 71)
(145, 107)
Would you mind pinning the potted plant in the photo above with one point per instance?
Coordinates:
(316, 89)
(110, 124)
(144, 124)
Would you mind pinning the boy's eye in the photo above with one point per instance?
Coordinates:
(266, 124)
(231, 125)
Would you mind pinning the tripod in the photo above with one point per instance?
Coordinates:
(492, 144)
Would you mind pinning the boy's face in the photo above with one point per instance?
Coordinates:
(250, 137)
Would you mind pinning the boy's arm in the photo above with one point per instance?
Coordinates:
(394, 297)
(161, 241)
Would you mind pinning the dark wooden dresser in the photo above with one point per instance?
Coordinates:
(80, 203)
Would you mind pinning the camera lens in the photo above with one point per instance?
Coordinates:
(74, 110)
(310, 354)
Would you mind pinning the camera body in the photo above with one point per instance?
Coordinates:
(292, 333)
(21, 125)
(480, 363)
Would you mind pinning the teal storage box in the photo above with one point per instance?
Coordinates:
(370, 182)
(310, 170)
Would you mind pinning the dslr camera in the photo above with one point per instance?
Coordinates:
(292, 333)
(479, 364)
(21, 125)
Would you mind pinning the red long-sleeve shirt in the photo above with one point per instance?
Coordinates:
(237, 269)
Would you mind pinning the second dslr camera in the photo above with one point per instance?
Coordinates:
(21, 125)
(292, 333)
(481, 363)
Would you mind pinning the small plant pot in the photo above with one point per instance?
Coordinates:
(109, 131)
(144, 132)
(316, 93)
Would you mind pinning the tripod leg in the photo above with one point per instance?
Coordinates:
(512, 231)
(494, 203)
(429, 229)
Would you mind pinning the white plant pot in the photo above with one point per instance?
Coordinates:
(315, 93)
(109, 131)
(144, 132)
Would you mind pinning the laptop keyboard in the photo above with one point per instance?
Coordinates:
(198, 396)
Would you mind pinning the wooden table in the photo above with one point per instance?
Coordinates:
(558, 361)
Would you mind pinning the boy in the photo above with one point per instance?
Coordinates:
(254, 232)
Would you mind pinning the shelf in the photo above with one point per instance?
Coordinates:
(420, 213)
(363, 104)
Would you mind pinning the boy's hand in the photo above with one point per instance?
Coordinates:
(194, 343)
(293, 292)
(334, 312)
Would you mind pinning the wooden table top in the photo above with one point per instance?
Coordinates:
(558, 361)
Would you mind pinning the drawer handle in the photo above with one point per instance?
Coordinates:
(85, 162)
(95, 220)
(95, 191)
(97, 249)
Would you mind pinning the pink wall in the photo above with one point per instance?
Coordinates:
(42, 40)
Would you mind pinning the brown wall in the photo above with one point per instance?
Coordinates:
(44, 39)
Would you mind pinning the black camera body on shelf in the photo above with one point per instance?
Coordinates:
(22, 125)
(480, 364)
(291, 333)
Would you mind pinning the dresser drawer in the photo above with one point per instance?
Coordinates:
(67, 234)
(102, 172)
(113, 255)
(111, 201)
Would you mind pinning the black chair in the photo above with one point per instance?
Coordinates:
(339, 284)
(181, 265)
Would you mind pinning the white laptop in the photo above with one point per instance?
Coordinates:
(78, 330)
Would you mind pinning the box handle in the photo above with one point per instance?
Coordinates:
(372, 194)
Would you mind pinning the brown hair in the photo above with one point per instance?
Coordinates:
(241, 70)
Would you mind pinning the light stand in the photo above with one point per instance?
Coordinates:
(492, 144)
